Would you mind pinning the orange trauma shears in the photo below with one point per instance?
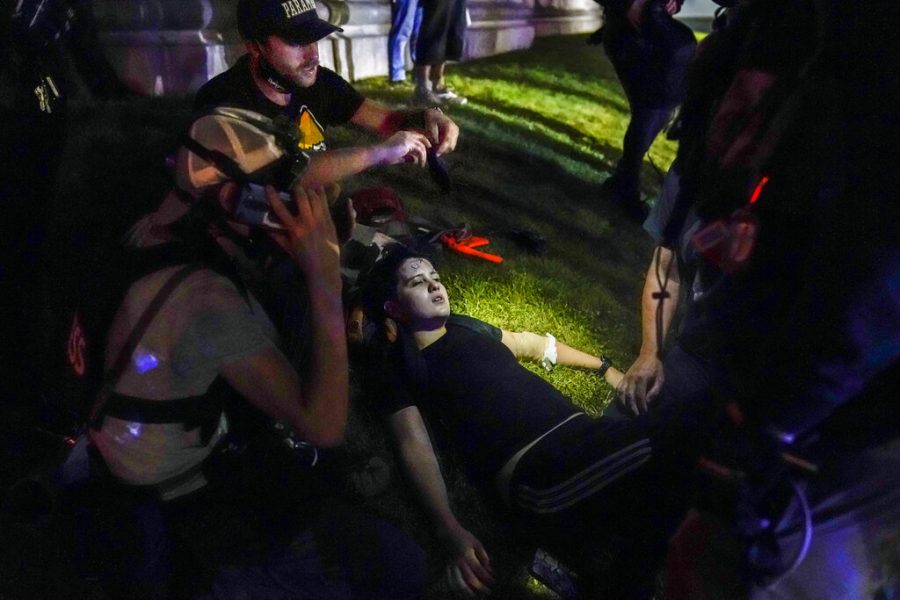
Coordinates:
(462, 242)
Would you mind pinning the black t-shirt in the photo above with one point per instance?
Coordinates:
(329, 101)
(473, 386)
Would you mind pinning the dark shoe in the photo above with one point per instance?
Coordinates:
(629, 202)
(610, 185)
(635, 209)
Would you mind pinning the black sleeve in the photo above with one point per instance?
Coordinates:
(473, 324)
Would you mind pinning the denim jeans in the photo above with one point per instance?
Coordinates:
(403, 34)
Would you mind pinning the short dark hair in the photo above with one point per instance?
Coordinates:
(381, 280)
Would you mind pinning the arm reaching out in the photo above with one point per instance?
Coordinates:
(440, 129)
(470, 567)
(524, 344)
(644, 379)
(332, 166)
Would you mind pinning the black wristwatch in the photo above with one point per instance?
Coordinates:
(605, 364)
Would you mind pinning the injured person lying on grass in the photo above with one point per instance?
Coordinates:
(570, 482)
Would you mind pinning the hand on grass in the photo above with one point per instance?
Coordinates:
(470, 571)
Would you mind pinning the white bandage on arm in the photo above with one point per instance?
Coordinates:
(549, 359)
(532, 346)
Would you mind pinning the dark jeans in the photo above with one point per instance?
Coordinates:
(651, 65)
(404, 32)
(643, 127)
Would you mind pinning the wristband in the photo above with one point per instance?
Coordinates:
(549, 359)
(605, 364)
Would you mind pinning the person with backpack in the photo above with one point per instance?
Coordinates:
(570, 481)
(178, 506)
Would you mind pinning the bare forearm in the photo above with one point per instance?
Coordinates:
(659, 300)
(425, 476)
(334, 165)
(567, 355)
(572, 357)
(525, 344)
(326, 389)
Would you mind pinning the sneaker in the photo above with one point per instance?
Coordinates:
(425, 97)
(448, 96)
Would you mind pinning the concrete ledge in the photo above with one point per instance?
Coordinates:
(495, 37)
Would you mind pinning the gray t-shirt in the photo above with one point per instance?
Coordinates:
(204, 324)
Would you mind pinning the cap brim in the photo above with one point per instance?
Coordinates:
(308, 32)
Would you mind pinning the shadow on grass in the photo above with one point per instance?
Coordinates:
(519, 131)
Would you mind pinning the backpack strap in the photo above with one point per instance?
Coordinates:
(220, 160)
(121, 363)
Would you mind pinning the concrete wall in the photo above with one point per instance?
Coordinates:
(174, 46)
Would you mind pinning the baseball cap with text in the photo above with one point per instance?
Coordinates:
(294, 20)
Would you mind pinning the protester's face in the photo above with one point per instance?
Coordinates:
(421, 297)
(298, 63)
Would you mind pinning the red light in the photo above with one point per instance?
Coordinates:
(758, 190)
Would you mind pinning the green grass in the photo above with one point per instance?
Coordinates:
(542, 129)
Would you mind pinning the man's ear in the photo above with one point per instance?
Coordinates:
(253, 48)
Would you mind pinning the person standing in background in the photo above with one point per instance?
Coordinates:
(650, 52)
(442, 36)
(404, 34)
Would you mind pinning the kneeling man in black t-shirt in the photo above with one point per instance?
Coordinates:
(280, 77)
